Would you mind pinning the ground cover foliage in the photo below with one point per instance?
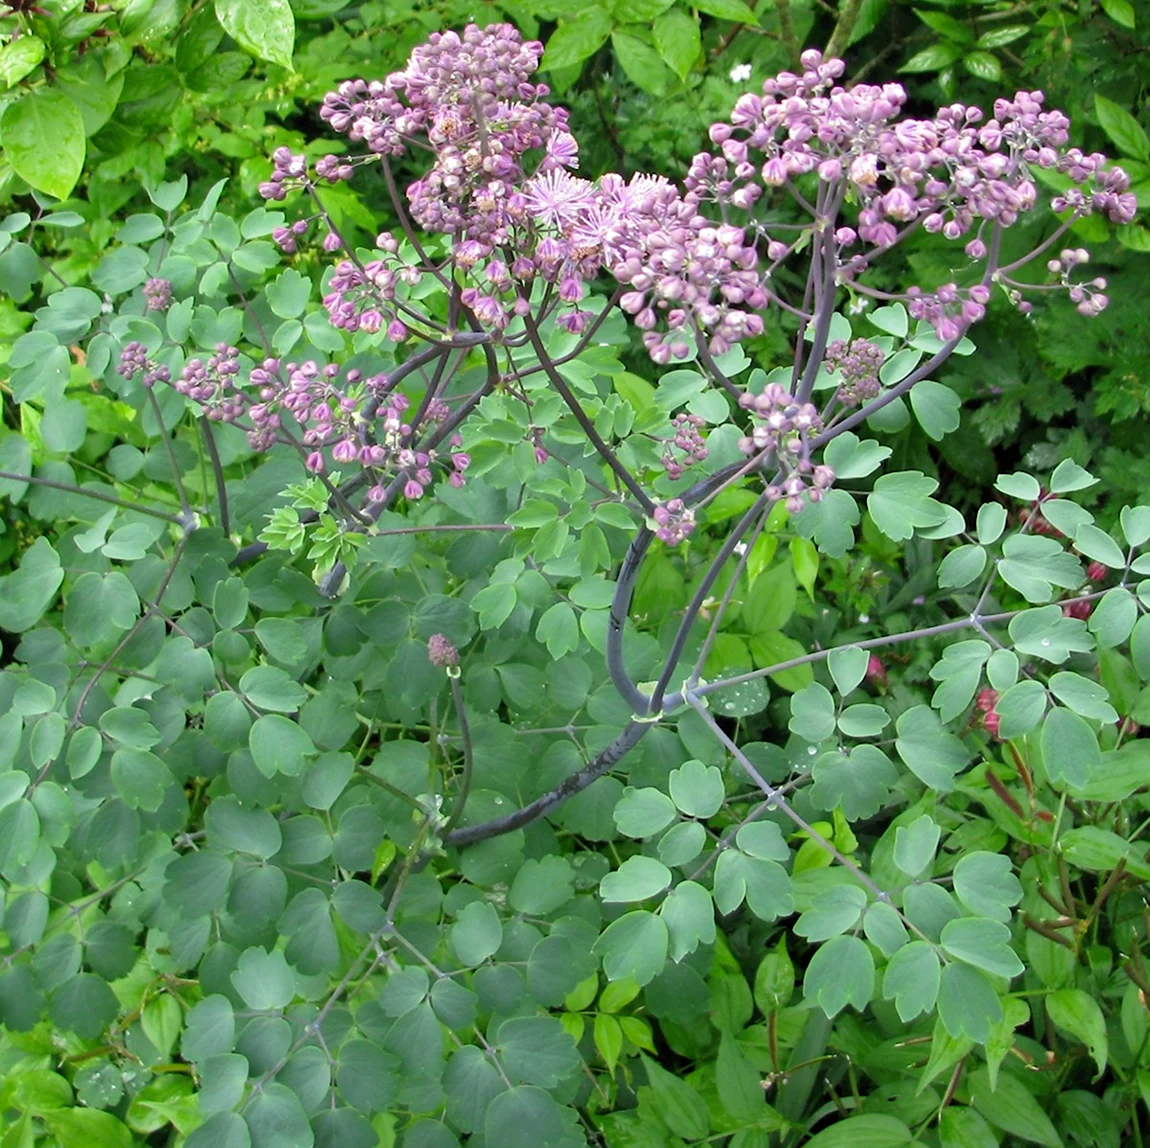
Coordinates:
(649, 766)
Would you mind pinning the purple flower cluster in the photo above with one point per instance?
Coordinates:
(688, 441)
(780, 431)
(499, 186)
(470, 97)
(858, 363)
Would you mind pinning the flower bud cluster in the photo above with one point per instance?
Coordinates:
(782, 427)
(984, 706)
(287, 238)
(134, 361)
(688, 276)
(213, 384)
(1088, 296)
(158, 294)
(337, 416)
(950, 310)
(688, 441)
(441, 653)
(858, 363)
(363, 297)
(674, 521)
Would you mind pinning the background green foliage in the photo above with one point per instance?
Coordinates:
(211, 777)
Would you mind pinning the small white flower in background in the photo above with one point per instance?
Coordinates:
(740, 73)
(858, 305)
(740, 548)
(864, 618)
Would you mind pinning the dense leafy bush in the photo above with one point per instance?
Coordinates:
(419, 726)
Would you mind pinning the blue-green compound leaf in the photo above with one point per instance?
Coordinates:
(84, 1005)
(840, 973)
(276, 1119)
(634, 946)
(223, 1130)
(528, 1117)
(537, 1050)
(915, 844)
(912, 980)
(540, 887)
(983, 943)
(959, 670)
(697, 789)
(27, 593)
(985, 883)
(1020, 708)
(232, 827)
(967, 1002)
(643, 812)
(682, 843)
(210, 1029)
(936, 407)
(851, 458)
(961, 567)
(763, 839)
(690, 918)
(858, 784)
(832, 911)
(368, 1078)
(471, 1082)
(765, 885)
(1070, 750)
(1034, 564)
(830, 522)
(477, 933)
(197, 883)
(933, 754)
(848, 667)
(279, 745)
(900, 504)
(1046, 633)
(271, 688)
(140, 778)
(812, 714)
(264, 980)
(637, 879)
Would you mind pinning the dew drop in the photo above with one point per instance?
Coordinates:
(1046, 641)
(812, 750)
